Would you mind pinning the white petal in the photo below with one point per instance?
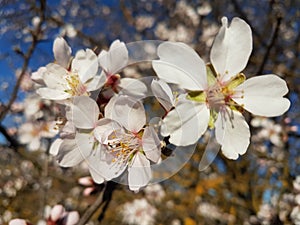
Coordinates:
(54, 77)
(85, 64)
(68, 130)
(139, 173)
(34, 144)
(233, 135)
(38, 76)
(69, 154)
(231, 48)
(101, 164)
(17, 222)
(52, 94)
(57, 212)
(96, 83)
(151, 144)
(105, 127)
(263, 95)
(55, 146)
(72, 218)
(186, 123)
(84, 112)
(132, 87)
(115, 59)
(181, 65)
(128, 112)
(163, 94)
(62, 52)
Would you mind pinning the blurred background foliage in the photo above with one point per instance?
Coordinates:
(261, 187)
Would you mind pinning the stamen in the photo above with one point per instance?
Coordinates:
(75, 86)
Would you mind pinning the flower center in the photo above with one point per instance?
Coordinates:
(218, 95)
(75, 86)
(122, 146)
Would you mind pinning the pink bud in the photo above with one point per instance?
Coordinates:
(87, 191)
(17, 222)
(56, 212)
(86, 181)
(72, 218)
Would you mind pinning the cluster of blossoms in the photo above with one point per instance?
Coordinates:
(105, 121)
(57, 215)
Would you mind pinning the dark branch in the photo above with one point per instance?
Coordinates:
(270, 45)
(35, 38)
(12, 142)
(244, 16)
(103, 198)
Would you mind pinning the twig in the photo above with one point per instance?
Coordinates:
(244, 16)
(13, 143)
(80, 34)
(92, 209)
(104, 197)
(111, 186)
(270, 45)
(35, 38)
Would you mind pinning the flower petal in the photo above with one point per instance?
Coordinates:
(54, 77)
(132, 87)
(96, 83)
(128, 112)
(151, 144)
(52, 94)
(115, 59)
(85, 64)
(69, 154)
(231, 48)
(55, 146)
(262, 95)
(139, 173)
(72, 218)
(163, 94)
(84, 112)
(105, 127)
(101, 164)
(180, 64)
(62, 52)
(186, 123)
(232, 134)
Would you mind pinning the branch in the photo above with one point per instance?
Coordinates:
(104, 197)
(12, 142)
(92, 209)
(244, 16)
(270, 45)
(80, 34)
(35, 38)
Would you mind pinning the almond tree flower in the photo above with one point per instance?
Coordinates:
(139, 212)
(78, 142)
(111, 62)
(129, 144)
(269, 130)
(218, 93)
(33, 133)
(59, 216)
(64, 83)
(155, 192)
(62, 55)
(18, 222)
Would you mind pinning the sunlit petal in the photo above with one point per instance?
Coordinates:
(233, 134)
(180, 64)
(139, 173)
(263, 95)
(231, 48)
